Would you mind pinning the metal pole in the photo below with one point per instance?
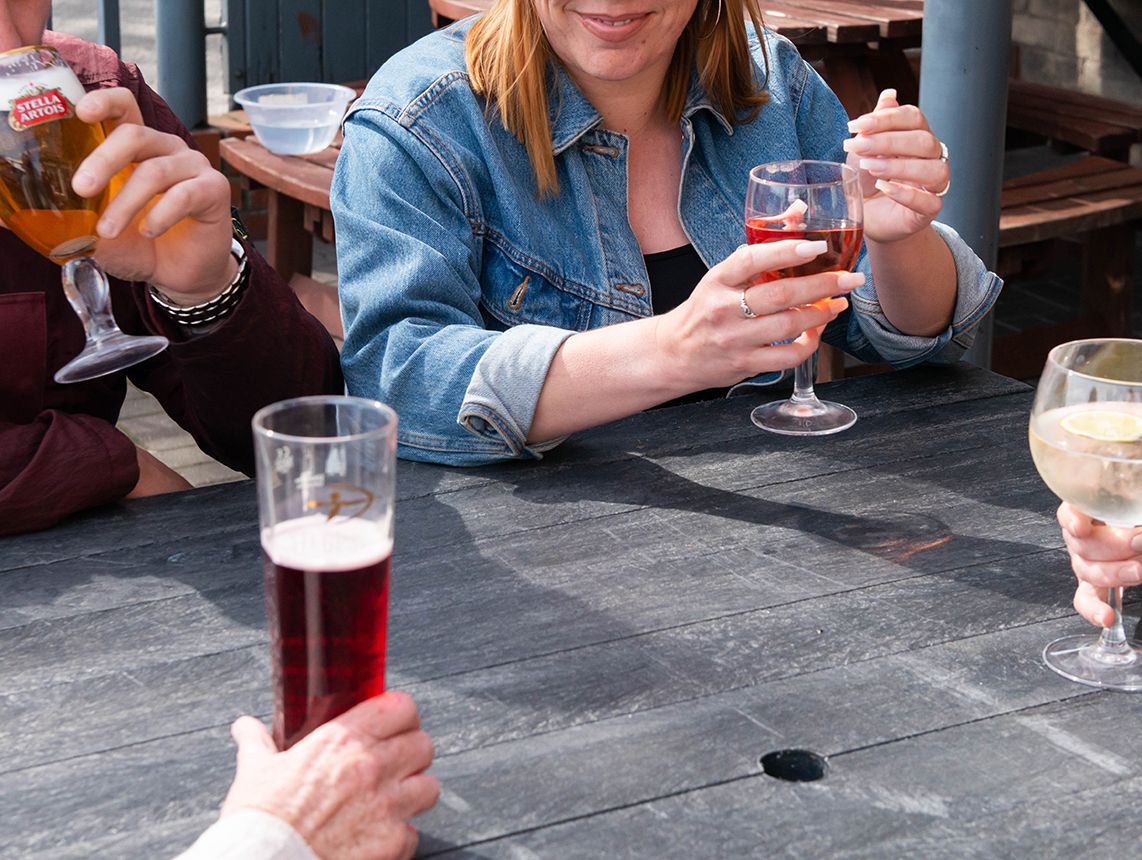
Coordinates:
(181, 44)
(109, 24)
(963, 92)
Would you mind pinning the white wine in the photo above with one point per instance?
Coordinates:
(1091, 456)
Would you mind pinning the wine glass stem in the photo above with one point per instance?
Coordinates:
(89, 294)
(803, 376)
(1113, 638)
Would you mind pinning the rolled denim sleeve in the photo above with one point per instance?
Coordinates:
(870, 336)
(409, 262)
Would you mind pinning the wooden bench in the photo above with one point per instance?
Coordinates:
(1099, 125)
(1096, 202)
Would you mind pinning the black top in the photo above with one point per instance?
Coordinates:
(673, 275)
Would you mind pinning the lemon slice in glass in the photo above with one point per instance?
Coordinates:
(1104, 425)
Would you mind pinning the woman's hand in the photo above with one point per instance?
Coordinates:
(903, 169)
(1101, 557)
(349, 787)
(716, 344)
(169, 222)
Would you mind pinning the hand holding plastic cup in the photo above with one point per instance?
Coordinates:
(326, 478)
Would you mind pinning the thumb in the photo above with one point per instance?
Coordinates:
(254, 742)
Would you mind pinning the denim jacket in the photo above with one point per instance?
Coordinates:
(459, 284)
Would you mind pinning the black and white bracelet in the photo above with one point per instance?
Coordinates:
(218, 307)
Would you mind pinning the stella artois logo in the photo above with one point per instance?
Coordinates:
(36, 105)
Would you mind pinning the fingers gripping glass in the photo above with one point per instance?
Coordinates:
(814, 200)
(42, 142)
(1086, 441)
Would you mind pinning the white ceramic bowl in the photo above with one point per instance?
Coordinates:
(295, 119)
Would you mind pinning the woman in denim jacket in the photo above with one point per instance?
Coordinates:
(508, 186)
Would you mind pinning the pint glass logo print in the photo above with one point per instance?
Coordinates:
(37, 105)
(344, 500)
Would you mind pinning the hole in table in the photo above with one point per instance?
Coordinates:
(794, 765)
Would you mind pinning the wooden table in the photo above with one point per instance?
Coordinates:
(603, 644)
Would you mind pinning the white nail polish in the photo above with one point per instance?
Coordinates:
(810, 249)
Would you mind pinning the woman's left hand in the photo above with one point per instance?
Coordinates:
(169, 222)
(903, 168)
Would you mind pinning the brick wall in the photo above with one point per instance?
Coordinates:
(1060, 42)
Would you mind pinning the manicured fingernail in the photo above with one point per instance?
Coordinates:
(874, 165)
(888, 94)
(107, 229)
(810, 249)
(856, 144)
(850, 280)
(861, 123)
(1136, 543)
(883, 185)
(837, 305)
(82, 180)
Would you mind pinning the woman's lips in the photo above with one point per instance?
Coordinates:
(613, 28)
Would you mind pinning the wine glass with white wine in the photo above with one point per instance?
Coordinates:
(1086, 441)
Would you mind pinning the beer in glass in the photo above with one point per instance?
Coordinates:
(326, 469)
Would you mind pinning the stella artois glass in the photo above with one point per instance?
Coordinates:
(42, 142)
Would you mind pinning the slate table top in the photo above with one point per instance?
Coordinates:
(604, 643)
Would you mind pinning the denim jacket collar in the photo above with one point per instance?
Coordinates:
(571, 115)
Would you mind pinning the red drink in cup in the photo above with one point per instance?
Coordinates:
(325, 493)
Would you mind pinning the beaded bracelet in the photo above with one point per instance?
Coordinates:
(216, 308)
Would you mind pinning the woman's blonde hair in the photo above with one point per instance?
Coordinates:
(508, 54)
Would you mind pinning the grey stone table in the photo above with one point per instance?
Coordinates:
(605, 643)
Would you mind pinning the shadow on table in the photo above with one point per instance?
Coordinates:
(919, 541)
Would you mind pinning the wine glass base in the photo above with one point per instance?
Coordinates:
(1077, 658)
(109, 354)
(804, 418)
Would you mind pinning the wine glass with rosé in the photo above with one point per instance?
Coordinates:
(1086, 441)
(818, 201)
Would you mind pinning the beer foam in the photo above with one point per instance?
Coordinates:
(53, 78)
(318, 543)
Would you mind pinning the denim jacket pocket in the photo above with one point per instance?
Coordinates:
(25, 349)
(519, 290)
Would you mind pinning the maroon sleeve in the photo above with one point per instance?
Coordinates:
(268, 349)
(59, 464)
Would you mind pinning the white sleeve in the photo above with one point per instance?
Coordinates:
(249, 834)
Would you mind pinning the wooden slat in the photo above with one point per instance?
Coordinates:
(838, 27)
(1068, 217)
(1127, 178)
(1080, 167)
(893, 22)
(305, 181)
(1083, 104)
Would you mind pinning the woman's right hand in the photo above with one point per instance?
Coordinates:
(712, 342)
(1101, 557)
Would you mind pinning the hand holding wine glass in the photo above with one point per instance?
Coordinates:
(1086, 441)
(809, 200)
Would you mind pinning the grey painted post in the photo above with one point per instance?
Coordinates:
(963, 92)
(109, 24)
(181, 46)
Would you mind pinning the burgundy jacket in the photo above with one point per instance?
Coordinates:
(59, 449)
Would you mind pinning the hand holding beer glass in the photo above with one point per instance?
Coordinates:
(326, 468)
(42, 143)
